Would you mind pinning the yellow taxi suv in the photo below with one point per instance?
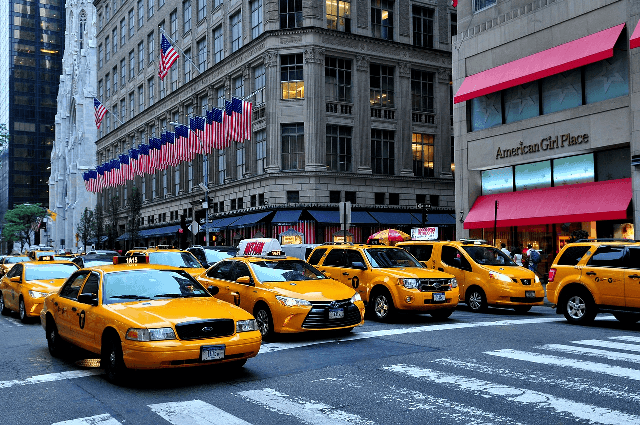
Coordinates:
(25, 286)
(388, 279)
(596, 276)
(145, 316)
(486, 276)
(169, 256)
(285, 294)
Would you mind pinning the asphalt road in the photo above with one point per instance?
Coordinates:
(491, 368)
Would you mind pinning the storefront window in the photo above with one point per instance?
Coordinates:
(561, 91)
(486, 112)
(573, 169)
(521, 102)
(499, 180)
(608, 78)
(533, 176)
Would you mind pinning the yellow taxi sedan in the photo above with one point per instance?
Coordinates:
(144, 316)
(285, 294)
(25, 286)
(8, 262)
(169, 256)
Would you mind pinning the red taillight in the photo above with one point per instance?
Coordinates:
(115, 260)
(552, 275)
(147, 259)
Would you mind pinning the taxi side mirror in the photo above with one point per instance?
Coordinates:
(358, 265)
(244, 280)
(213, 290)
(91, 299)
(16, 279)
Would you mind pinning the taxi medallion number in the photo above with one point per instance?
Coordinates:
(211, 352)
(336, 313)
(530, 294)
(438, 297)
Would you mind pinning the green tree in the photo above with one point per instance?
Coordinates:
(100, 226)
(86, 227)
(21, 223)
(114, 206)
(135, 205)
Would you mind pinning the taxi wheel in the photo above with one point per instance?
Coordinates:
(476, 300)
(382, 306)
(22, 311)
(579, 307)
(441, 314)
(264, 321)
(3, 308)
(112, 361)
(56, 345)
(521, 309)
(628, 318)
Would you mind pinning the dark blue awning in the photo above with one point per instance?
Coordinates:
(362, 217)
(286, 217)
(436, 219)
(249, 219)
(395, 218)
(325, 217)
(123, 237)
(159, 231)
(221, 223)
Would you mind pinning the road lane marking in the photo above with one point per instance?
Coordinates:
(309, 412)
(105, 419)
(594, 352)
(609, 344)
(273, 347)
(621, 372)
(195, 412)
(562, 406)
(50, 377)
(626, 338)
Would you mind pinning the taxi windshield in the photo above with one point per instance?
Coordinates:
(488, 256)
(383, 258)
(50, 271)
(11, 260)
(285, 270)
(174, 259)
(146, 284)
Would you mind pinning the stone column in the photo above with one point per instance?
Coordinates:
(272, 92)
(314, 110)
(442, 149)
(362, 109)
(403, 119)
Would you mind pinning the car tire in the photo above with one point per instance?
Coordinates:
(264, 321)
(521, 309)
(3, 308)
(628, 318)
(22, 311)
(441, 314)
(112, 361)
(578, 307)
(381, 306)
(476, 299)
(57, 347)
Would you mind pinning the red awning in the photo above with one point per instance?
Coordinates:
(606, 200)
(580, 52)
(634, 41)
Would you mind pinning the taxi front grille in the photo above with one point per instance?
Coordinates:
(435, 285)
(205, 329)
(318, 316)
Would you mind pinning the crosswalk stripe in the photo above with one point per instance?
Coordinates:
(105, 419)
(627, 338)
(609, 344)
(309, 412)
(611, 355)
(50, 377)
(273, 347)
(195, 412)
(539, 400)
(603, 368)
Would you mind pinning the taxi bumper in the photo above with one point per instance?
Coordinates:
(303, 319)
(414, 300)
(521, 295)
(33, 306)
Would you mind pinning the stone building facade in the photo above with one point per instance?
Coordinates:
(352, 104)
(74, 148)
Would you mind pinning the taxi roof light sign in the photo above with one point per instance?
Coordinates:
(131, 259)
(260, 247)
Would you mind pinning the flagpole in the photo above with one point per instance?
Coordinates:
(173, 43)
(114, 116)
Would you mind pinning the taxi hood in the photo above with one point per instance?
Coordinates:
(412, 272)
(165, 312)
(511, 271)
(47, 285)
(313, 290)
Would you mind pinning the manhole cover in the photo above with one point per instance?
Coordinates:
(88, 363)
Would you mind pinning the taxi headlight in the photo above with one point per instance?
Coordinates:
(409, 283)
(38, 294)
(292, 302)
(153, 334)
(499, 276)
(454, 283)
(246, 325)
(537, 280)
(356, 297)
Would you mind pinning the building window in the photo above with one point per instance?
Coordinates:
(100, 93)
(114, 111)
(123, 110)
(254, 201)
(114, 40)
(163, 89)
(222, 167)
(190, 176)
(382, 151)
(379, 198)
(337, 79)
(151, 43)
(107, 50)
(141, 97)
(236, 31)
(293, 197)
(339, 15)
(238, 87)
(382, 19)
(173, 24)
(453, 24)
(99, 56)
(293, 146)
(233, 205)
(422, 151)
(218, 44)
(350, 197)
(152, 89)
(240, 161)
(107, 79)
(173, 74)
(176, 179)
(150, 5)
(479, 5)
(261, 151)
(381, 86)
(422, 27)
(187, 66)
(123, 72)
(107, 13)
(132, 64)
(160, 3)
(140, 13)
(141, 56)
(100, 21)
(186, 14)
(202, 55)
(422, 91)
(132, 105)
(335, 196)
(123, 32)
(394, 199)
(290, 14)
(291, 71)
(220, 96)
(202, 9)
(217, 3)
(115, 79)
(256, 18)
(132, 23)
(259, 84)
(338, 148)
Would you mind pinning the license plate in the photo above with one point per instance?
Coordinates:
(438, 296)
(211, 352)
(530, 294)
(336, 313)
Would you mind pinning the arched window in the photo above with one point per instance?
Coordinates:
(83, 26)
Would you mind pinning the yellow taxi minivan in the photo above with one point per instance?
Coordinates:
(388, 279)
(485, 275)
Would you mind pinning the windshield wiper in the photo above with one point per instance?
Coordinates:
(131, 297)
(168, 295)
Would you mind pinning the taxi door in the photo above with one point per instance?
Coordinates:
(88, 326)
(244, 295)
(221, 276)
(453, 261)
(355, 271)
(632, 279)
(605, 274)
(12, 292)
(334, 265)
(66, 310)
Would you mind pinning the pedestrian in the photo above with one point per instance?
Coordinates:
(504, 249)
(517, 256)
(534, 258)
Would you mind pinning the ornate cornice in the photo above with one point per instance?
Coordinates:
(314, 55)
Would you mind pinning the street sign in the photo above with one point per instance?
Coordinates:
(194, 227)
(345, 215)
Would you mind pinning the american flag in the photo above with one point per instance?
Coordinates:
(182, 139)
(100, 111)
(154, 155)
(124, 168)
(143, 159)
(134, 165)
(168, 56)
(100, 179)
(115, 172)
(196, 125)
(236, 106)
(173, 155)
(89, 180)
(246, 120)
(227, 122)
(164, 161)
(218, 128)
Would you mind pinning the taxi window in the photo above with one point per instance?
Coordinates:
(607, 256)
(15, 271)
(454, 258)
(284, 271)
(316, 256)
(174, 259)
(421, 252)
(390, 258)
(240, 270)
(488, 256)
(335, 258)
(73, 285)
(146, 284)
(633, 260)
(91, 286)
(353, 256)
(572, 255)
(223, 270)
(49, 271)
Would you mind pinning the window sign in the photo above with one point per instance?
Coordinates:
(498, 180)
(521, 102)
(486, 112)
(573, 169)
(561, 91)
(424, 233)
(608, 78)
(533, 176)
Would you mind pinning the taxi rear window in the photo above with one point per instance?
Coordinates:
(572, 255)
(421, 252)
(316, 256)
(174, 259)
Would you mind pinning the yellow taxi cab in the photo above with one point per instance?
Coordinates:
(168, 256)
(25, 286)
(388, 279)
(285, 294)
(486, 275)
(9, 261)
(36, 255)
(146, 316)
(594, 276)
